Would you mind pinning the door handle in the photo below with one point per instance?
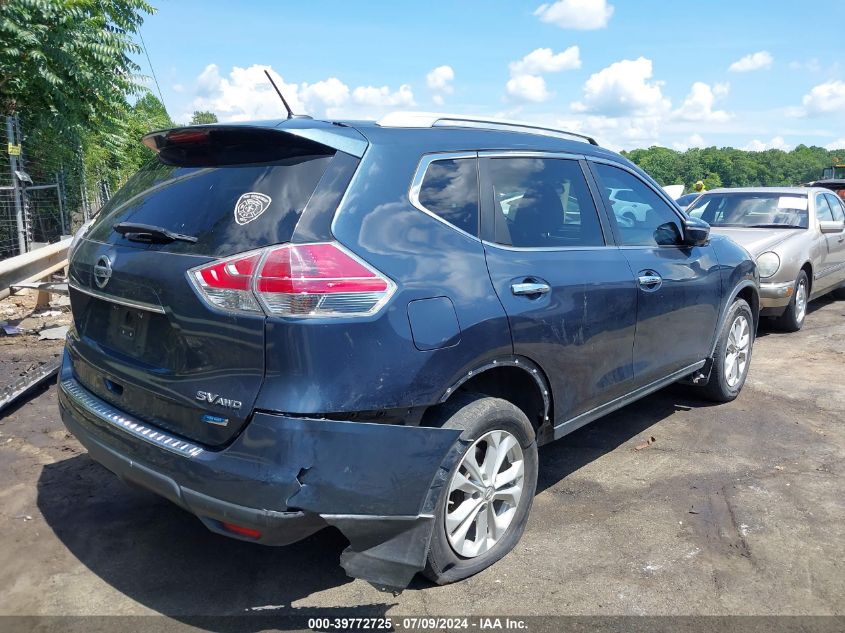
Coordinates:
(650, 281)
(530, 288)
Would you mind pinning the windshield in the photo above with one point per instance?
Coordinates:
(761, 210)
(687, 199)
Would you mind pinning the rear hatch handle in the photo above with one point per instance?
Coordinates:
(150, 234)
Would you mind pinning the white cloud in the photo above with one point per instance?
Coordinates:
(838, 144)
(439, 82)
(526, 82)
(583, 15)
(811, 65)
(776, 142)
(615, 133)
(177, 88)
(527, 88)
(331, 92)
(544, 60)
(825, 98)
(245, 94)
(695, 140)
(754, 61)
(623, 88)
(698, 105)
(440, 79)
(372, 96)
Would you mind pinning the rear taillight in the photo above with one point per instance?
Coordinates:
(303, 280)
(227, 283)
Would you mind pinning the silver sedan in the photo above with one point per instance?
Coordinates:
(797, 236)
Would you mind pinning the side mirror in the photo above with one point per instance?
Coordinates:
(831, 226)
(696, 232)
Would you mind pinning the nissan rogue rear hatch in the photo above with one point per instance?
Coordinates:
(152, 337)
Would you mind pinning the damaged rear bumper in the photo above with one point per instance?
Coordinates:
(284, 478)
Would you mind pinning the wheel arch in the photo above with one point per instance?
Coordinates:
(746, 290)
(516, 379)
(807, 267)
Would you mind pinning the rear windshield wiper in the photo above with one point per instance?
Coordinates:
(150, 234)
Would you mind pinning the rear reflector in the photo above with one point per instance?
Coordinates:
(241, 530)
(305, 280)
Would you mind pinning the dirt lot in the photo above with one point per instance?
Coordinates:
(734, 509)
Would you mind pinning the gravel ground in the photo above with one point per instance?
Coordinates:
(733, 509)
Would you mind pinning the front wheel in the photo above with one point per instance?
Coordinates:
(793, 318)
(484, 506)
(732, 356)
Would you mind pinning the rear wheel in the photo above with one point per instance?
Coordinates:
(793, 318)
(733, 354)
(484, 506)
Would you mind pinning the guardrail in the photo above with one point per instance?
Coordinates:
(32, 266)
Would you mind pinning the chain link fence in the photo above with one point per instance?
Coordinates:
(43, 196)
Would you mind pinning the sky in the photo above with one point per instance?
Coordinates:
(749, 74)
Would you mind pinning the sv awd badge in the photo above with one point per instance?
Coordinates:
(220, 401)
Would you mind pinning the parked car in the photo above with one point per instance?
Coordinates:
(287, 325)
(628, 206)
(797, 236)
(686, 200)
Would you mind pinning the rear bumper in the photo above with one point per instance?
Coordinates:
(286, 478)
(775, 297)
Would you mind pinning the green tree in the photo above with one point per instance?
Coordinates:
(730, 167)
(202, 117)
(65, 63)
(712, 181)
(66, 69)
(661, 163)
(116, 161)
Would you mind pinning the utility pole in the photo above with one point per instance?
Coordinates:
(14, 152)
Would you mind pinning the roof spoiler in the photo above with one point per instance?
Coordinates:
(337, 138)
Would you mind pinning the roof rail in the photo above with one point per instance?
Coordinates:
(433, 119)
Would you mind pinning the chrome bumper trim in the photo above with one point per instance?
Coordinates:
(82, 398)
(140, 305)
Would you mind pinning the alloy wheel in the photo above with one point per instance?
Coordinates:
(736, 353)
(484, 493)
(801, 301)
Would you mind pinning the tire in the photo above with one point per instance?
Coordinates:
(724, 385)
(793, 317)
(480, 417)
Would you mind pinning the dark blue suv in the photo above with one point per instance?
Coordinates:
(282, 326)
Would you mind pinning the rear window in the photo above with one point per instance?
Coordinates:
(450, 191)
(229, 208)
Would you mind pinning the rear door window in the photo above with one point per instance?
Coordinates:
(449, 190)
(542, 203)
(228, 208)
